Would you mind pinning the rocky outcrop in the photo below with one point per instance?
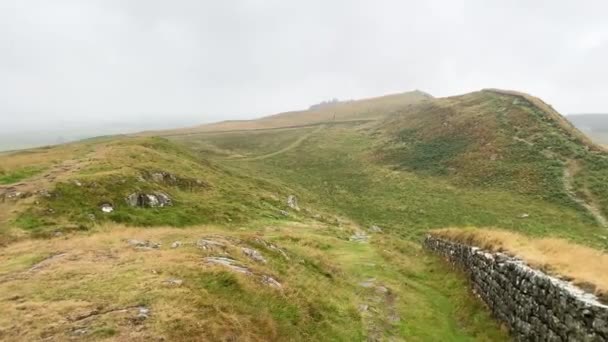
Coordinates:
(534, 305)
(163, 177)
(253, 254)
(167, 178)
(229, 263)
(149, 200)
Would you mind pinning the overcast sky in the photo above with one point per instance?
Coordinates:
(177, 62)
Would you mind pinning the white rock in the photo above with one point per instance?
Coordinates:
(107, 208)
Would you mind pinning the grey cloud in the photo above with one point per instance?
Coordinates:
(83, 62)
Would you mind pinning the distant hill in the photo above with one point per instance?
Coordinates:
(41, 134)
(594, 125)
(366, 109)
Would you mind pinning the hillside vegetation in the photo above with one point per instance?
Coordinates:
(501, 140)
(292, 227)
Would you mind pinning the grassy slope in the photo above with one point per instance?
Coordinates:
(336, 169)
(408, 174)
(497, 140)
(101, 273)
(202, 192)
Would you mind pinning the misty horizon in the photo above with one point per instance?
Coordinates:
(38, 134)
(217, 61)
(128, 66)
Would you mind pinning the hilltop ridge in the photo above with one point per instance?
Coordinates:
(363, 109)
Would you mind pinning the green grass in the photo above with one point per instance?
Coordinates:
(430, 157)
(202, 193)
(343, 177)
(15, 176)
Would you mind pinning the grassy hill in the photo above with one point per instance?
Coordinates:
(231, 259)
(490, 139)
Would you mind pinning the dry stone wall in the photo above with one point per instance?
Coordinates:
(534, 305)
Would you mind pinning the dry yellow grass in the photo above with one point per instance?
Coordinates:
(91, 285)
(587, 267)
(47, 286)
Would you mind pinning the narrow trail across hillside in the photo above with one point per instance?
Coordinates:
(289, 147)
(570, 171)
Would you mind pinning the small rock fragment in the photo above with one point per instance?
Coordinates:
(382, 289)
(227, 262)
(272, 247)
(207, 244)
(107, 208)
(80, 332)
(145, 244)
(174, 282)
(292, 202)
(360, 237)
(375, 229)
(253, 254)
(368, 283)
(271, 282)
(143, 313)
(176, 244)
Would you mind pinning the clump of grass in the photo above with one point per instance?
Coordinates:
(582, 264)
(15, 176)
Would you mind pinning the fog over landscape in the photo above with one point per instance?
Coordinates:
(265, 170)
(70, 69)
